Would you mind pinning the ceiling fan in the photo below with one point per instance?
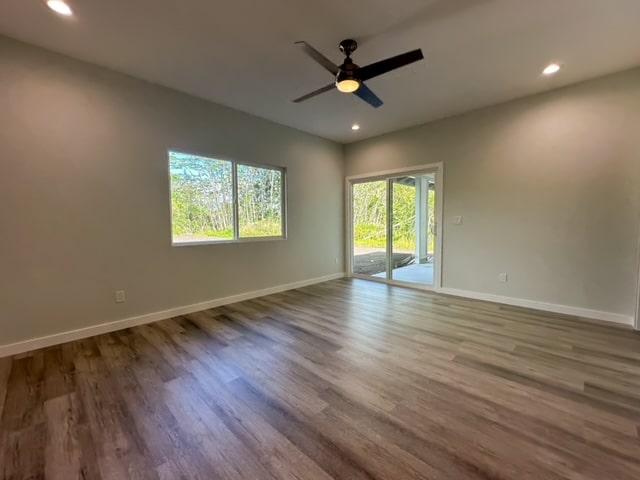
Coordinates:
(350, 77)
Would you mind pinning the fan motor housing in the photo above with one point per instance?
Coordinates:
(348, 71)
(348, 46)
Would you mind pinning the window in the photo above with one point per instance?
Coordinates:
(220, 200)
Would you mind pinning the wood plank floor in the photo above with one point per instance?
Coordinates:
(347, 380)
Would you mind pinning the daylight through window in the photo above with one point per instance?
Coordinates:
(220, 200)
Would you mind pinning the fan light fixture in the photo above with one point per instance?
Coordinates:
(60, 7)
(348, 85)
(351, 78)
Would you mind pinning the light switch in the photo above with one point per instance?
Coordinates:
(457, 220)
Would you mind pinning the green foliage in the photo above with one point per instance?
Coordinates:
(370, 212)
(219, 234)
(369, 235)
(259, 202)
(202, 193)
(266, 228)
(404, 217)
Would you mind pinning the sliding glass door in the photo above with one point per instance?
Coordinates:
(370, 228)
(393, 228)
(412, 228)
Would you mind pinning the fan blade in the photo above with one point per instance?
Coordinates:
(318, 57)
(315, 92)
(384, 66)
(368, 96)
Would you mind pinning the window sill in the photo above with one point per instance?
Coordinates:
(222, 242)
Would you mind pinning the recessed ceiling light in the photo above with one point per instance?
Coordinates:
(551, 69)
(355, 126)
(60, 7)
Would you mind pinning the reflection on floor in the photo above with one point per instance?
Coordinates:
(420, 273)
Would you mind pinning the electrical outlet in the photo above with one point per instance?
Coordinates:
(119, 296)
(503, 277)
(335, 260)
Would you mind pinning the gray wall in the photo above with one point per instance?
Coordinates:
(549, 187)
(84, 197)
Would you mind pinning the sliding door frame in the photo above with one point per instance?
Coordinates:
(636, 323)
(637, 319)
(385, 175)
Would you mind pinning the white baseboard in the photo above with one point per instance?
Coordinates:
(547, 307)
(69, 336)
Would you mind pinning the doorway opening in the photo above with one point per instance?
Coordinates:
(393, 220)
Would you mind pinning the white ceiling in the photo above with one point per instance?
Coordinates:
(240, 53)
